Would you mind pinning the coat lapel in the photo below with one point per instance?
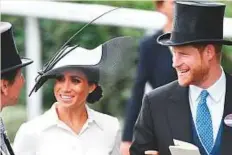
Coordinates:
(226, 146)
(179, 114)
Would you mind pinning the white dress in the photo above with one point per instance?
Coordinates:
(47, 135)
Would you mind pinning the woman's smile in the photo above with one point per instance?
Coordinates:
(66, 98)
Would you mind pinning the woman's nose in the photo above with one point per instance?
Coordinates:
(66, 85)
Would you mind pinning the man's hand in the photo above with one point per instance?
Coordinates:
(151, 152)
(124, 148)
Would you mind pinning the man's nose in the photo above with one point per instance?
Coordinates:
(175, 61)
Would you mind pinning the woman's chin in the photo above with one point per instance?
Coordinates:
(66, 103)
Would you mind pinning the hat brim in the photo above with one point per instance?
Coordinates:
(52, 74)
(25, 62)
(165, 40)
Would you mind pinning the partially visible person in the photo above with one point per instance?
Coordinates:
(193, 108)
(12, 79)
(70, 126)
(154, 67)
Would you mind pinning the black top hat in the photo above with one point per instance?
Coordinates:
(10, 59)
(196, 22)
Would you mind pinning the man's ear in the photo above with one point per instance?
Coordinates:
(210, 51)
(4, 87)
(92, 87)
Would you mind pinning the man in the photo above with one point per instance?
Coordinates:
(150, 69)
(193, 108)
(12, 79)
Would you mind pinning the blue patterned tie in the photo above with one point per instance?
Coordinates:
(204, 122)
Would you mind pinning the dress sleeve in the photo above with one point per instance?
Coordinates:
(24, 142)
(116, 147)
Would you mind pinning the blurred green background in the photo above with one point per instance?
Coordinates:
(54, 33)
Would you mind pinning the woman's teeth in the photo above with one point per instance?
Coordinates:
(65, 97)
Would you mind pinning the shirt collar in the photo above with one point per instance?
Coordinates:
(51, 117)
(194, 92)
(216, 95)
(93, 117)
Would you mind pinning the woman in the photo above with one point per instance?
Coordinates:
(70, 127)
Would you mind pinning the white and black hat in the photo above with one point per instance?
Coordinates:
(10, 59)
(103, 61)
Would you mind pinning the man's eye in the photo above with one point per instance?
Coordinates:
(183, 54)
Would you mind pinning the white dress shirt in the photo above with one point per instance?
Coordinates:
(215, 102)
(47, 135)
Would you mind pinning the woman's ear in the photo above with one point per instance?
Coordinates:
(92, 87)
(4, 87)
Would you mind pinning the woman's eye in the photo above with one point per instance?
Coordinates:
(60, 78)
(75, 80)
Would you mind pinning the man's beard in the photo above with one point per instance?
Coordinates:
(199, 75)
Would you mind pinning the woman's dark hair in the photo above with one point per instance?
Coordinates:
(10, 76)
(96, 95)
(92, 75)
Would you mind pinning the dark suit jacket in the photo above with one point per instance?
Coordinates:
(155, 67)
(166, 115)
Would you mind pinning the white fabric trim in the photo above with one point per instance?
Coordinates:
(4, 26)
(80, 56)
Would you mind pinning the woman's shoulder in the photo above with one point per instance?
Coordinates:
(104, 116)
(104, 120)
(37, 124)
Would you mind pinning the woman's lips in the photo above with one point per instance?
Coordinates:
(66, 98)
